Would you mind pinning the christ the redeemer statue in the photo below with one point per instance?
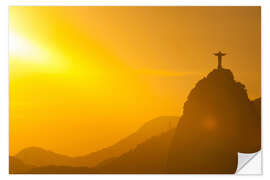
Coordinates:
(219, 55)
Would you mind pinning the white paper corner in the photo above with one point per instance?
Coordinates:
(249, 163)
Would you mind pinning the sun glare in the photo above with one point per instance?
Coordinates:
(23, 49)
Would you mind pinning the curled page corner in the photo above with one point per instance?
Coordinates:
(249, 163)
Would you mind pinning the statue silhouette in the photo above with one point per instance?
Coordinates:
(219, 55)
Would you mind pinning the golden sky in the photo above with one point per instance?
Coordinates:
(82, 78)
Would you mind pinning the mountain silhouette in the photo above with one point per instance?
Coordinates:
(218, 121)
(40, 157)
(257, 105)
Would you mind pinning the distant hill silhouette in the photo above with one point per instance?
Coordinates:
(218, 121)
(40, 157)
(148, 157)
(151, 128)
(16, 166)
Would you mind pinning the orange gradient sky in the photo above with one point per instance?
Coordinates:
(82, 78)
